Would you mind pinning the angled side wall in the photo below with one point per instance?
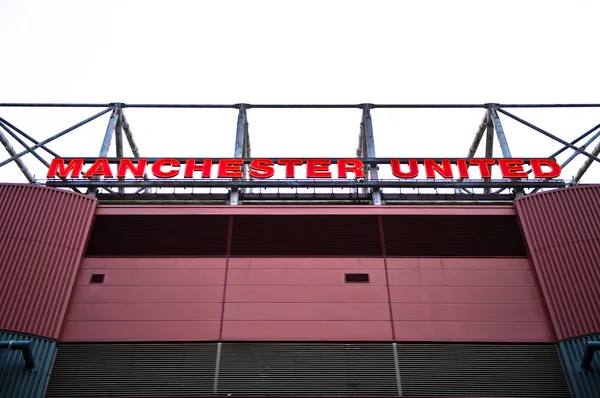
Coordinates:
(562, 231)
(42, 236)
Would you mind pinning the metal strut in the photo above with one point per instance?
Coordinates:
(110, 129)
(242, 149)
(369, 149)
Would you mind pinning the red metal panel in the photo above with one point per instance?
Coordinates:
(475, 299)
(473, 331)
(562, 231)
(141, 331)
(305, 210)
(310, 330)
(305, 299)
(42, 235)
(178, 298)
(307, 312)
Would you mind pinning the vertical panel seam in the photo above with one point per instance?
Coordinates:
(387, 279)
(227, 255)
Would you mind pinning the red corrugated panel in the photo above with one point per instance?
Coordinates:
(42, 236)
(562, 230)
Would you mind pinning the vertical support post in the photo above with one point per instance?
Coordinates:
(475, 145)
(18, 161)
(217, 368)
(110, 129)
(502, 140)
(369, 148)
(489, 143)
(241, 135)
(397, 368)
(119, 138)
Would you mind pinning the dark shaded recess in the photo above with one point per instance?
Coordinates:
(150, 235)
(138, 369)
(453, 236)
(97, 278)
(307, 369)
(318, 235)
(356, 278)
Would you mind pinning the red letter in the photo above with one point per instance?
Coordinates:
(318, 168)
(261, 168)
(230, 168)
(412, 173)
(445, 170)
(137, 171)
(353, 165)
(483, 164)
(57, 167)
(157, 171)
(289, 166)
(536, 166)
(512, 168)
(463, 170)
(100, 167)
(191, 166)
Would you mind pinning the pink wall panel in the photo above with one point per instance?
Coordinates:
(309, 330)
(307, 312)
(147, 299)
(42, 236)
(562, 231)
(305, 299)
(141, 331)
(466, 300)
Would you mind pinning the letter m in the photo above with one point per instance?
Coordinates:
(57, 168)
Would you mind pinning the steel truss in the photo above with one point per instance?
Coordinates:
(370, 190)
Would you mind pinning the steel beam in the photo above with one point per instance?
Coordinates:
(586, 165)
(18, 161)
(532, 183)
(369, 148)
(110, 130)
(502, 141)
(29, 138)
(476, 141)
(18, 155)
(547, 134)
(489, 139)
(240, 135)
(119, 137)
(20, 141)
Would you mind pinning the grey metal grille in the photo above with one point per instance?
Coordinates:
(481, 370)
(86, 370)
(307, 369)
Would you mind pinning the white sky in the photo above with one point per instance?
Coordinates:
(299, 52)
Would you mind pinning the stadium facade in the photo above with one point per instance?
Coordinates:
(115, 297)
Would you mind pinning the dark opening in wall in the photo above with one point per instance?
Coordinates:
(97, 278)
(356, 278)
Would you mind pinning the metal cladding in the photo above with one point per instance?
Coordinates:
(42, 236)
(307, 369)
(584, 383)
(563, 235)
(18, 382)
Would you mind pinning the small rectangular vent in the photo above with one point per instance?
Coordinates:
(97, 278)
(357, 278)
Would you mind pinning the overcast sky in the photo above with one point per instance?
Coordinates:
(299, 52)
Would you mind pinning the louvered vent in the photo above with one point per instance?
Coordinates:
(481, 370)
(87, 370)
(309, 369)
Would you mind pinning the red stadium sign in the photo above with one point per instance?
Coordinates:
(510, 168)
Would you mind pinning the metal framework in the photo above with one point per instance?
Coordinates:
(370, 190)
